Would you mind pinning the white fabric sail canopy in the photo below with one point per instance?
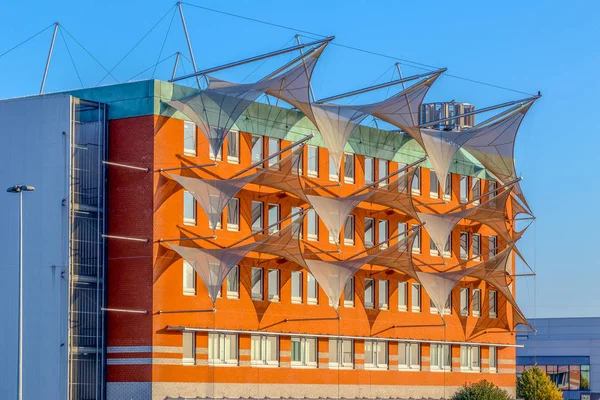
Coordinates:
(439, 285)
(439, 226)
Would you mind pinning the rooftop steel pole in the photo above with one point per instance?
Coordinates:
(189, 43)
(312, 94)
(178, 54)
(412, 117)
(56, 25)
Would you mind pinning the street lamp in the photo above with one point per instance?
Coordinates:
(20, 189)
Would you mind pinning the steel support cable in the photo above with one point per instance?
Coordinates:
(408, 62)
(88, 52)
(264, 62)
(135, 46)
(70, 56)
(152, 66)
(26, 40)
(164, 42)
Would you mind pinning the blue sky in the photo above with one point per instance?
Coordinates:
(550, 46)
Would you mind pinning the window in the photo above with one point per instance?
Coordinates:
(313, 225)
(369, 170)
(273, 285)
(264, 350)
(304, 351)
(448, 188)
(464, 245)
(476, 302)
(189, 138)
(349, 168)
(447, 306)
(409, 355)
(493, 359)
(376, 354)
(492, 185)
(233, 283)
(369, 293)
(493, 243)
(312, 289)
(313, 161)
(383, 172)
(402, 228)
(349, 231)
(257, 148)
(416, 297)
(382, 226)
(475, 190)
(233, 215)
(369, 232)
(233, 147)
(214, 202)
(417, 240)
(189, 348)
(297, 162)
(440, 357)
(296, 287)
(341, 353)
(222, 348)
(476, 246)
(464, 189)
(469, 358)
(416, 182)
(433, 250)
(257, 216)
(189, 279)
(349, 293)
(257, 283)
(402, 296)
(296, 215)
(434, 186)
(274, 147)
(333, 170)
(189, 208)
(464, 302)
(383, 294)
(273, 218)
(448, 247)
(493, 307)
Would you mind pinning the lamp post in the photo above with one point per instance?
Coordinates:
(20, 189)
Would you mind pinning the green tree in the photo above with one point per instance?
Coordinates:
(534, 384)
(482, 390)
(585, 384)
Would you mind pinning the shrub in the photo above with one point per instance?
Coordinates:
(534, 384)
(482, 390)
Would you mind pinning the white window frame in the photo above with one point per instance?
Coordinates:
(233, 283)
(448, 249)
(261, 216)
(415, 288)
(349, 288)
(296, 280)
(274, 147)
(415, 185)
(464, 251)
(222, 340)
(383, 226)
(313, 172)
(189, 282)
(189, 150)
(416, 249)
(464, 189)
(312, 236)
(304, 352)
(476, 302)
(233, 226)
(448, 188)
(349, 178)
(257, 151)
(277, 217)
(273, 279)
(383, 170)
(371, 242)
(349, 231)
(412, 362)
(235, 136)
(493, 355)
(402, 296)
(493, 245)
(383, 292)
(433, 250)
(447, 306)
(493, 303)
(334, 176)
(188, 197)
(434, 185)
(492, 185)
(475, 184)
(376, 346)
(311, 281)
(188, 339)
(263, 342)
(465, 299)
(476, 250)
(336, 347)
(369, 176)
(370, 302)
(470, 358)
(258, 296)
(442, 359)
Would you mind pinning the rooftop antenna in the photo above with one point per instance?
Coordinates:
(189, 43)
(56, 25)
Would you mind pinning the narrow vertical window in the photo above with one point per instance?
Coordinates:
(233, 283)
(475, 190)
(296, 215)
(274, 216)
(464, 189)
(257, 216)
(313, 225)
(257, 148)
(264, 350)
(493, 306)
(464, 245)
(369, 170)
(296, 287)
(189, 208)
(369, 293)
(222, 348)
(493, 240)
(493, 359)
(402, 296)
(233, 147)
(341, 353)
(383, 294)
(434, 186)
(448, 188)
(304, 351)
(313, 161)
(233, 215)
(409, 356)
(382, 172)
(349, 293)
(348, 168)
(448, 247)
(274, 147)
(349, 231)
(333, 170)
(416, 182)
(273, 285)
(257, 283)
(189, 348)
(402, 229)
(189, 279)
(440, 357)
(492, 189)
(469, 358)
(369, 232)
(464, 302)
(416, 297)
(383, 233)
(189, 138)
(417, 240)
(476, 246)
(376, 354)
(476, 302)
(312, 289)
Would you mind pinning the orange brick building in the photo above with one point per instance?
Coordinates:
(272, 332)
